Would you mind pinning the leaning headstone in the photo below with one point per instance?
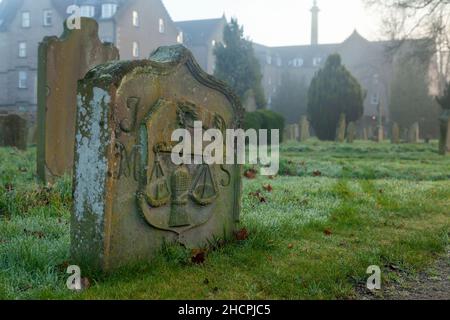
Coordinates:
(304, 129)
(444, 138)
(340, 131)
(351, 132)
(413, 133)
(13, 131)
(395, 134)
(62, 62)
(129, 197)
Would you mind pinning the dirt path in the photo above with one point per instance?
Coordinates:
(433, 284)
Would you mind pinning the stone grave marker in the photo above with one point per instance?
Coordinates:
(62, 62)
(444, 138)
(413, 133)
(13, 131)
(351, 132)
(340, 132)
(129, 197)
(304, 129)
(395, 134)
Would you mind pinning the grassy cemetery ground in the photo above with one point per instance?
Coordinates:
(334, 210)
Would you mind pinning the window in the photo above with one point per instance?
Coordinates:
(23, 77)
(162, 27)
(297, 62)
(26, 19)
(269, 59)
(279, 62)
(22, 49)
(87, 11)
(135, 49)
(180, 37)
(135, 19)
(48, 18)
(317, 61)
(213, 43)
(108, 10)
(375, 98)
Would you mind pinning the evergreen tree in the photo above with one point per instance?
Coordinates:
(410, 99)
(333, 91)
(237, 65)
(291, 98)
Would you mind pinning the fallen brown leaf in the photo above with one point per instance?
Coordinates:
(328, 232)
(268, 188)
(241, 235)
(198, 256)
(317, 173)
(250, 174)
(85, 283)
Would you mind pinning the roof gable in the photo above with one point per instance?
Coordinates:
(198, 32)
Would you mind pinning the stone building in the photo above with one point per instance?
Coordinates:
(201, 36)
(136, 27)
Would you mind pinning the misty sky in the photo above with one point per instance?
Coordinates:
(284, 22)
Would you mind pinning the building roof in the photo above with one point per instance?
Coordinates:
(198, 32)
(8, 9)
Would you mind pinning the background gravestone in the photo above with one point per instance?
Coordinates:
(413, 133)
(351, 132)
(365, 135)
(444, 138)
(13, 131)
(129, 198)
(395, 134)
(62, 62)
(304, 129)
(340, 132)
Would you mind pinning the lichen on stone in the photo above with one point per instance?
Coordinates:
(91, 163)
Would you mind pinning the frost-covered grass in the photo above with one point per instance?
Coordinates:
(336, 210)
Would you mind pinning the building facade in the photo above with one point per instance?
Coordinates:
(136, 27)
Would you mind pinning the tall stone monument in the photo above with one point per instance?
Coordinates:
(62, 62)
(304, 129)
(444, 138)
(13, 131)
(129, 197)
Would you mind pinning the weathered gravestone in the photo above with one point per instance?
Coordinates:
(413, 133)
(340, 131)
(365, 135)
(303, 129)
(129, 197)
(351, 132)
(62, 62)
(380, 134)
(13, 131)
(286, 135)
(444, 138)
(395, 134)
(32, 135)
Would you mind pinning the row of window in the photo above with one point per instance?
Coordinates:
(297, 62)
(108, 10)
(47, 19)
